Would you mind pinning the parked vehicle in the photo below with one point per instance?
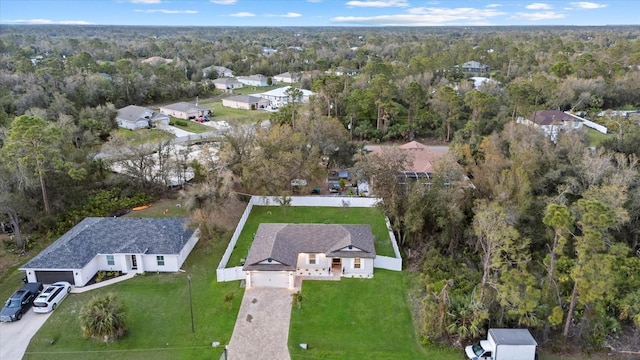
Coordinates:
(49, 299)
(20, 302)
(504, 344)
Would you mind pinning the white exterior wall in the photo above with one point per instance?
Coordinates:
(236, 104)
(188, 246)
(81, 277)
(366, 268)
(150, 263)
(139, 124)
(320, 268)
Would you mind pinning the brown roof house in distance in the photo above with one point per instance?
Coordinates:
(280, 252)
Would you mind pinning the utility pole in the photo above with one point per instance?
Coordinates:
(193, 328)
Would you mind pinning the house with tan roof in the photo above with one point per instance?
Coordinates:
(280, 252)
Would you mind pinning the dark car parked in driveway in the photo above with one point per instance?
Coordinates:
(20, 302)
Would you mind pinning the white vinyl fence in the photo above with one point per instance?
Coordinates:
(236, 273)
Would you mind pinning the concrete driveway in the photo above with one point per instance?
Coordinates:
(262, 327)
(15, 336)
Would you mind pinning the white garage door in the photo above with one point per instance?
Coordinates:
(278, 279)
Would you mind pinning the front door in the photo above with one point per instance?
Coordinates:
(134, 263)
(336, 264)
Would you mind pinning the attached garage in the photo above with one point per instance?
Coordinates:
(49, 277)
(278, 279)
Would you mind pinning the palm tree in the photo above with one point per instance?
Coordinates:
(103, 317)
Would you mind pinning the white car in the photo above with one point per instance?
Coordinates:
(49, 299)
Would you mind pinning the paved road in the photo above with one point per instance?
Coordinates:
(15, 336)
(262, 327)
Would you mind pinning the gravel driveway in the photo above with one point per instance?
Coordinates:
(262, 327)
(15, 336)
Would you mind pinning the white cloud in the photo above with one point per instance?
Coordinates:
(422, 16)
(291, 15)
(493, 6)
(587, 5)
(145, 1)
(47, 21)
(242, 14)
(378, 3)
(224, 2)
(537, 16)
(165, 11)
(539, 6)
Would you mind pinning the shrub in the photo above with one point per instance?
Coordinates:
(103, 318)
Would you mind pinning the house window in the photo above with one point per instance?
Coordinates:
(160, 259)
(312, 259)
(110, 260)
(356, 263)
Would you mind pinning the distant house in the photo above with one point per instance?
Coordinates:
(479, 81)
(339, 71)
(552, 122)
(253, 80)
(221, 71)
(227, 84)
(473, 67)
(268, 50)
(279, 96)
(245, 102)
(287, 77)
(421, 161)
(134, 117)
(113, 244)
(279, 252)
(184, 110)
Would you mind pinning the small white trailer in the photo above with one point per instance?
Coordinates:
(504, 344)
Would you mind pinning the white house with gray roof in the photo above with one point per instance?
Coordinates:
(134, 117)
(280, 252)
(185, 110)
(113, 244)
(246, 102)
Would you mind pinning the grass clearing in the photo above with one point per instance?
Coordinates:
(162, 208)
(358, 319)
(312, 215)
(189, 125)
(235, 115)
(139, 136)
(595, 137)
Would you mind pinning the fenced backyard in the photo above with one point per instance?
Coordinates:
(387, 252)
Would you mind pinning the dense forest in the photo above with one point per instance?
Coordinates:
(548, 236)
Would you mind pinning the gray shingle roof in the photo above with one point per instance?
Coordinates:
(248, 99)
(93, 236)
(184, 107)
(283, 243)
(133, 113)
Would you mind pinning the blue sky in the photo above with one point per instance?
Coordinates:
(320, 12)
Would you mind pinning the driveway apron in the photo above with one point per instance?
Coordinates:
(262, 327)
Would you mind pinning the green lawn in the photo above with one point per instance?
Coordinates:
(191, 126)
(158, 316)
(235, 115)
(317, 215)
(595, 137)
(144, 135)
(358, 319)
